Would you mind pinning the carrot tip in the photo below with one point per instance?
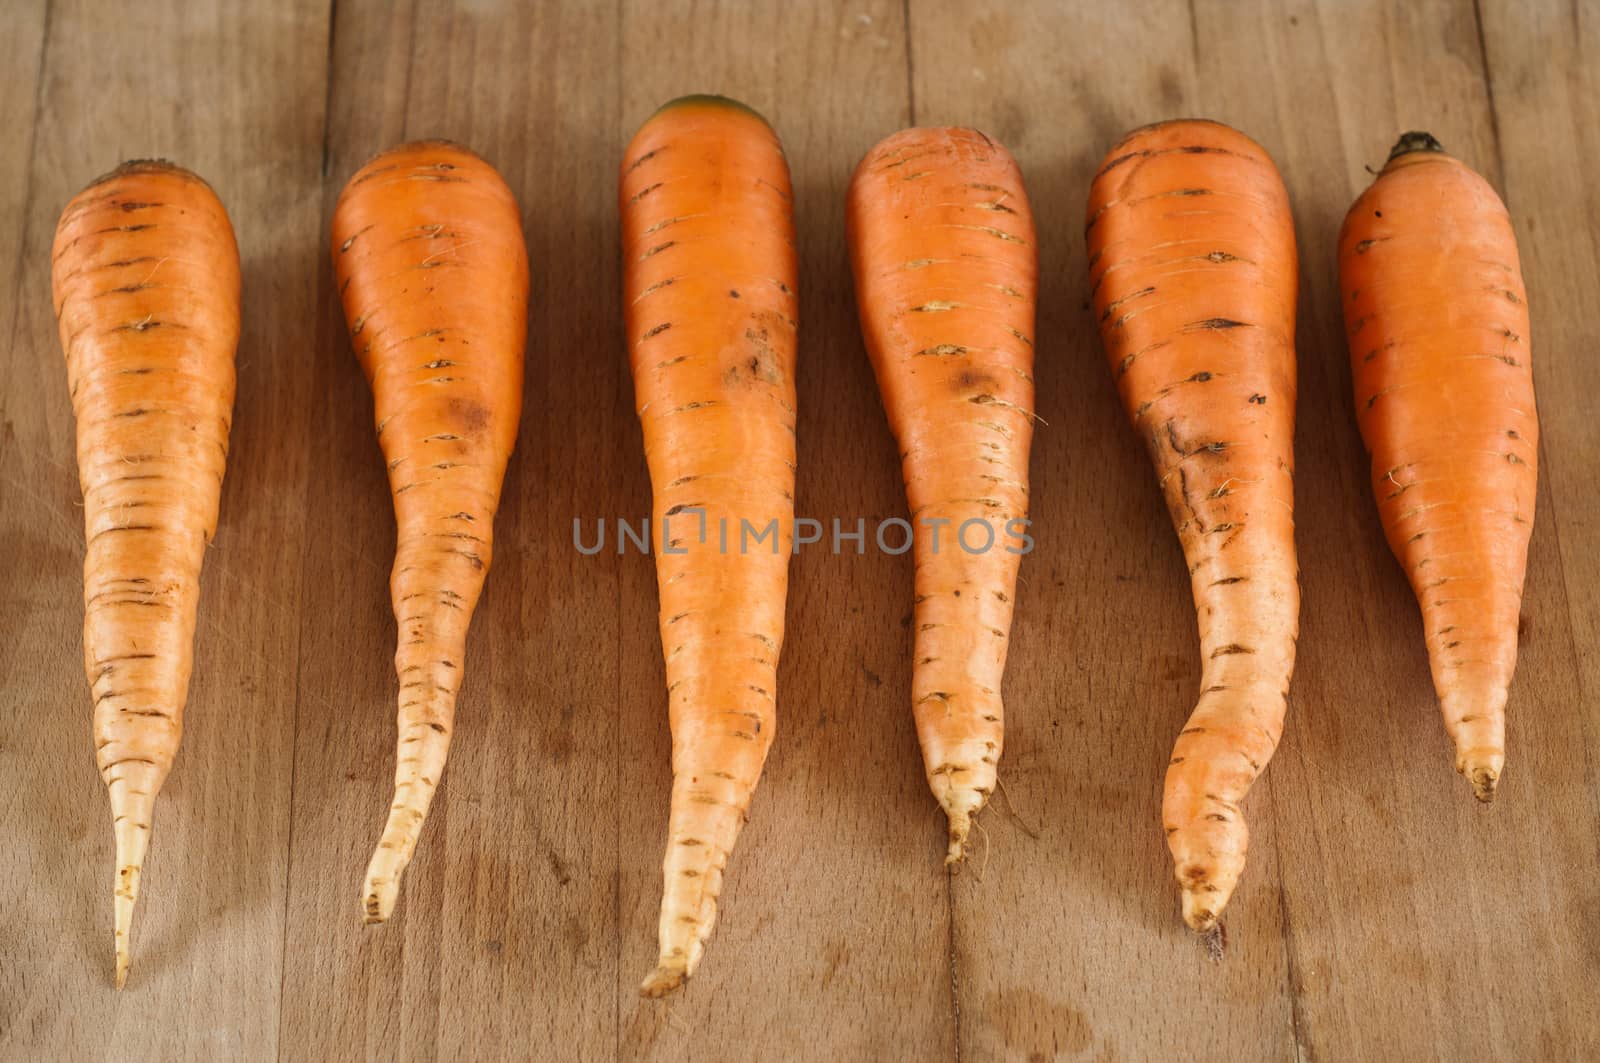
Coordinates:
(130, 855)
(663, 980)
(378, 900)
(1199, 918)
(960, 827)
(1484, 781)
(1200, 911)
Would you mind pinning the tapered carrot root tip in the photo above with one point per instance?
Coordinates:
(1482, 769)
(378, 901)
(1207, 862)
(388, 864)
(415, 785)
(133, 841)
(1202, 906)
(663, 980)
(127, 895)
(960, 804)
(960, 827)
(382, 888)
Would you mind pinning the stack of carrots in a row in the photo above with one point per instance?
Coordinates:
(1193, 276)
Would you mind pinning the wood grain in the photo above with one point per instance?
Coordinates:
(1383, 914)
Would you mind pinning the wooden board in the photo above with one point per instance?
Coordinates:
(1383, 915)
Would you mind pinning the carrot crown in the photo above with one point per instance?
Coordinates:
(1416, 140)
(711, 99)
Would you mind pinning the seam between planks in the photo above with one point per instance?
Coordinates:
(299, 638)
(955, 977)
(18, 260)
(620, 402)
(1494, 112)
(1552, 518)
(327, 97)
(1290, 960)
(911, 64)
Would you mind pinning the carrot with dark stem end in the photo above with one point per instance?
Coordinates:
(1192, 268)
(145, 274)
(1437, 319)
(709, 278)
(946, 270)
(430, 262)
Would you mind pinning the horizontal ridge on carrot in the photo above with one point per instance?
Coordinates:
(1437, 320)
(1192, 267)
(946, 271)
(145, 273)
(429, 259)
(709, 279)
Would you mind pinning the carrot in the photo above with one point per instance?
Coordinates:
(1437, 319)
(946, 270)
(430, 262)
(1192, 265)
(145, 274)
(709, 277)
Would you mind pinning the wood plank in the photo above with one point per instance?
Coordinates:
(501, 945)
(1387, 864)
(1541, 67)
(1071, 942)
(1383, 914)
(1541, 62)
(836, 883)
(23, 506)
(21, 54)
(237, 95)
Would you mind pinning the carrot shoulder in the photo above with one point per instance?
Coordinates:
(1437, 319)
(431, 265)
(946, 268)
(709, 277)
(146, 287)
(1193, 271)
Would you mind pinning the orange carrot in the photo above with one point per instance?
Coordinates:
(1437, 319)
(946, 269)
(1192, 265)
(146, 280)
(430, 262)
(709, 277)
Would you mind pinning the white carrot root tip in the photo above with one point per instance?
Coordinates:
(663, 980)
(127, 893)
(124, 955)
(960, 827)
(1200, 910)
(133, 841)
(1481, 767)
(382, 888)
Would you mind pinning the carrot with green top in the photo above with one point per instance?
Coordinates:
(1437, 319)
(145, 274)
(709, 278)
(946, 268)
(1192, 267)
(430, 262)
